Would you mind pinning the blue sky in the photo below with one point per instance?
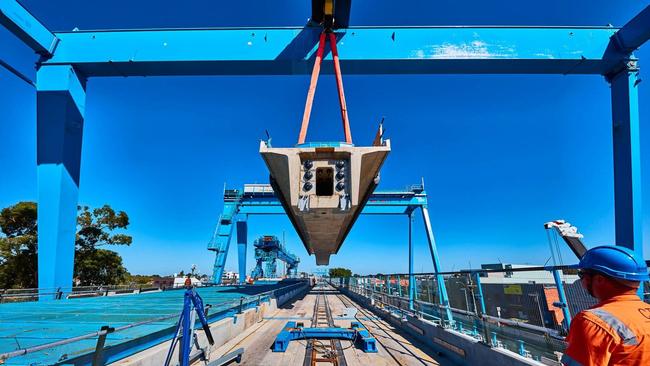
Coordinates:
(500, 154)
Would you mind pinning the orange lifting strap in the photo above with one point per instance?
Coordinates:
(312, 88)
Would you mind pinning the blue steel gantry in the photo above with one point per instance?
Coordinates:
(69, 59)
(269, 249)
(259, 199)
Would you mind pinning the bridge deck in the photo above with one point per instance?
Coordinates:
(24, 325)
(394, 347)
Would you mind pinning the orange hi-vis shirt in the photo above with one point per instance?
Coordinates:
(614, 332)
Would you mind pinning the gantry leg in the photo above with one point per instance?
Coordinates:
(220, 241)
(627, 159)
(242, 237)
(60, 99)
(411, 275)
(442, 288)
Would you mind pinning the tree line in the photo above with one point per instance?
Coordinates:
(93, 265)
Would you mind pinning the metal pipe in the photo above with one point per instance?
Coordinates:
(509, 322)
(411, 276)
(444, 297)
(477, 279)
(563, 300)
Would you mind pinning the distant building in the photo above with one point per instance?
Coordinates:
(162, 282)
(180, 282)
(229, 277)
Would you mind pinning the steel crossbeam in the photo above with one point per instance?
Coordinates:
(356, 333)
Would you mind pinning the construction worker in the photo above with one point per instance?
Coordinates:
(616, 331)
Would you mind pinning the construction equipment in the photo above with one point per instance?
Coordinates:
(192, 307)
(569, 234)
(322, 328)
(268, 249)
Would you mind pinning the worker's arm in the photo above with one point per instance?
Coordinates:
(589, 343)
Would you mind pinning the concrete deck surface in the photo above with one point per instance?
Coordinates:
(394, 347)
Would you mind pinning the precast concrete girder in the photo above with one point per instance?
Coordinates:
(323, 189)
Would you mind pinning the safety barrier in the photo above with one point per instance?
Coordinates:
(523, 309)
(33, 294)
(214, 312)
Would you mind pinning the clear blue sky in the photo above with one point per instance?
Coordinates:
(500, 154)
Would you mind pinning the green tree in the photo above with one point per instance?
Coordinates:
(340, 272)
(18, 247)
(94, 266)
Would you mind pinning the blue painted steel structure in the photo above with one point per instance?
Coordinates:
(192, 303)
(25, 26)
(563, 304)
(294, 331)
(259, 199)
(268, 249)
(69, 58)
(242, 238)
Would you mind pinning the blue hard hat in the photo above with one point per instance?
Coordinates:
(615, 261)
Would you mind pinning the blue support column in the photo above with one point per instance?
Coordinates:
(479, 292)
(61, 99)
(442, 289)
(242, 238)
(399, 286)
(220, 241)
(388, 290)
(411, 276)
(563, 302)
(627, 159)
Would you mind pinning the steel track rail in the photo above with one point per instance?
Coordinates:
(318, 352)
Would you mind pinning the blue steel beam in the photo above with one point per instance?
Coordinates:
(363, 50)
(220, 241)
(27, 28)
(627, 160)
(562, 295)
(60, 118)
(242, 239)
(442, 288)
(264, 202)
(379, 203)
(411, 275)
(635, 33)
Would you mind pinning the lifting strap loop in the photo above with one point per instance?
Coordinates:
(339, 86)
(312, 88)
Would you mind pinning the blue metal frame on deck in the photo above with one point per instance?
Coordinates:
(357, 333)
(69, 58)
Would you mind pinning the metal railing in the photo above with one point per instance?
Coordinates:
(33, 294)
(213, 312)
(526, 310)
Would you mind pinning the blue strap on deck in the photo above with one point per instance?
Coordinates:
(357, 333)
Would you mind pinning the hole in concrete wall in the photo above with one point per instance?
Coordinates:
(324, 181)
